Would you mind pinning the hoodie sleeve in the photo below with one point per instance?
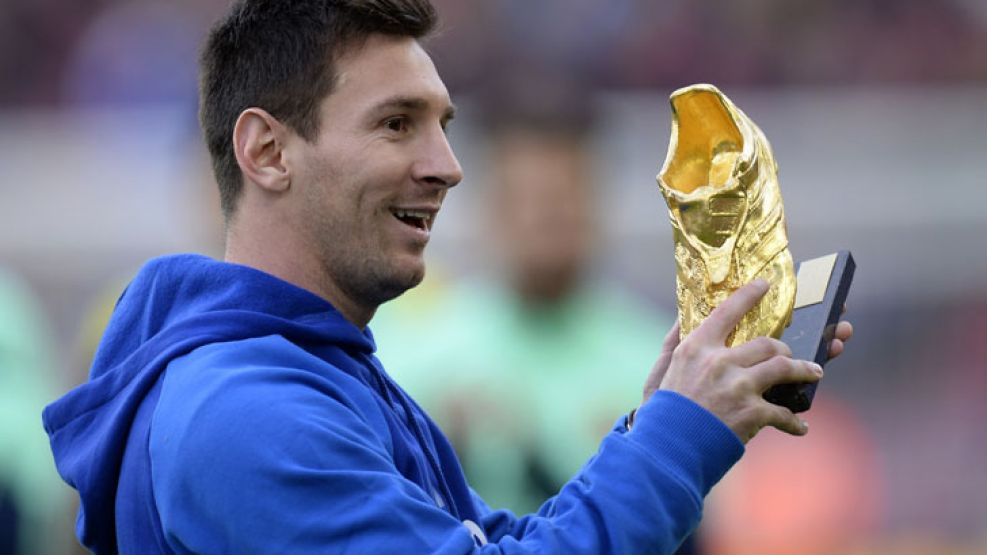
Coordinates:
(253, 452)
(641, 493)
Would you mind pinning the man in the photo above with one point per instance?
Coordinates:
(237, 406)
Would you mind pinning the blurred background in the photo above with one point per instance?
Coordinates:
(551, 276)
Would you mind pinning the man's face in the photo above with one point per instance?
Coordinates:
(372, 182)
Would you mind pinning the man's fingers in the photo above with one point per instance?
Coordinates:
(782, 369)
(835, 348)
(672, 338)
(758, 350)
(785, 420)
(658, 371)
(842, 334)
(728, 314)
(844, 331)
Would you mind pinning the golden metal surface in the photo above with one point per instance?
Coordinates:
(813, 278)
(720, 181)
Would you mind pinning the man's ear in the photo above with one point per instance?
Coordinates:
(258, 142)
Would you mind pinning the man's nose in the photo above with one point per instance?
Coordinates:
(438, 164)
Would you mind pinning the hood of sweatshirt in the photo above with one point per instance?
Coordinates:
(174, 305)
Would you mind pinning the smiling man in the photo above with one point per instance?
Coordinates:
(237, 406)
(346, 213)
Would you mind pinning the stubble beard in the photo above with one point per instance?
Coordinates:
(369, 276)
(357, 260)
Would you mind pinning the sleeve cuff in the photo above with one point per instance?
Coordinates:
(702, 447)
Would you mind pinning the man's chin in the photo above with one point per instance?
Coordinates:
(415, 279)
(403, 279)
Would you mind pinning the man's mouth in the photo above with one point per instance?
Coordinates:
(419, 219)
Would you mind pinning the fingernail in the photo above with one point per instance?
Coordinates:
(817, 369)
(805, 427)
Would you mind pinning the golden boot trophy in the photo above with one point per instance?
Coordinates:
(720, 181)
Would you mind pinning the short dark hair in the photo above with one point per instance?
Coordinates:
(278, 55)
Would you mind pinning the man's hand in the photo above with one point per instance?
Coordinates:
(843, 333)
(653, 382)
(730, 381)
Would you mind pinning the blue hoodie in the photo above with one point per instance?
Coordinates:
(228, 411)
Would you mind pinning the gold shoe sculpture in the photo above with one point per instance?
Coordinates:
(720, 181)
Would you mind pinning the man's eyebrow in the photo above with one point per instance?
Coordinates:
(412, 103)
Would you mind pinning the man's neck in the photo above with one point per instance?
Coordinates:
(290, 264)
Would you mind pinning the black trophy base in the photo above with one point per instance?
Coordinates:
(823, 284)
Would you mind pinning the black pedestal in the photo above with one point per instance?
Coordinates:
(823, 284)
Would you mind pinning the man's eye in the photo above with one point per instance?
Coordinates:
(396, 124)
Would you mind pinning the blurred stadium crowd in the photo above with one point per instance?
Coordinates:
(876, 107)
(53, 53)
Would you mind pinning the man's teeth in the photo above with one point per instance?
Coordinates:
(423, 216)
(412, 214)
